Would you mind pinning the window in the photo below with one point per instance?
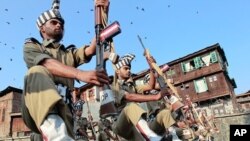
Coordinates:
(213, 56)
(206, 59)
(199, 61)
(182, 87)
(212, 78)
(188, 66)
(20, 134)
(193, 64)
(215, 78)
(23, 133)
(200, 85)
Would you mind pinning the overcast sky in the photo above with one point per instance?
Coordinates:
(169, 28)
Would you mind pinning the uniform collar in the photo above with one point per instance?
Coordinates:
(52, 43)
(128, 81)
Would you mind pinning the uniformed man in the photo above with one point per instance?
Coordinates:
(80, 123)
(131, 117)
(50, 77)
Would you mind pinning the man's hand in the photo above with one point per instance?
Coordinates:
(104, 3)
(164, 92)
(95, 77)
(150, 59)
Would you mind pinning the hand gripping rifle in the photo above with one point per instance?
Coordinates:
(103, 36)
(163, 81)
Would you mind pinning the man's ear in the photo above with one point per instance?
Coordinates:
(42, 29)
(117, 71)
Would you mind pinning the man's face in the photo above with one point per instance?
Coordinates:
(78, 113)
(53, 29)
(124, 72)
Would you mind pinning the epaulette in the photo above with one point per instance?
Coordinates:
(31, 40)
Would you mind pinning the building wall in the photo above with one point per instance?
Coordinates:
(243, 102)
(12, 126)
(19, 129)
(5, 110)
(187, 76)
(224, 122)
(218, 107)
(16, 103)
(217, 86)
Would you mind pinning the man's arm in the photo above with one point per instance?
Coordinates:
(133, 97)
(58, 69)
(91, 50)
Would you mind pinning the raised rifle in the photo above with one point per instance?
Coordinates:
(163, 81)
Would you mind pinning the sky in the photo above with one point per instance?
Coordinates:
(170, 29)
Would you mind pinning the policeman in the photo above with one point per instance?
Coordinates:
(131, 117)
(80, 123)
(50, 77)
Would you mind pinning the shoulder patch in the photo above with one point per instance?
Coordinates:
(31, 40)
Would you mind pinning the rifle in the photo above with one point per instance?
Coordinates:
(163, 81)
(103, 36)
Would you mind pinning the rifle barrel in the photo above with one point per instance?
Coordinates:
(141, 42)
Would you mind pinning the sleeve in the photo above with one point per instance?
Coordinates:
(118, 94)
(33, 55)
(80, 57)
(140, 88)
